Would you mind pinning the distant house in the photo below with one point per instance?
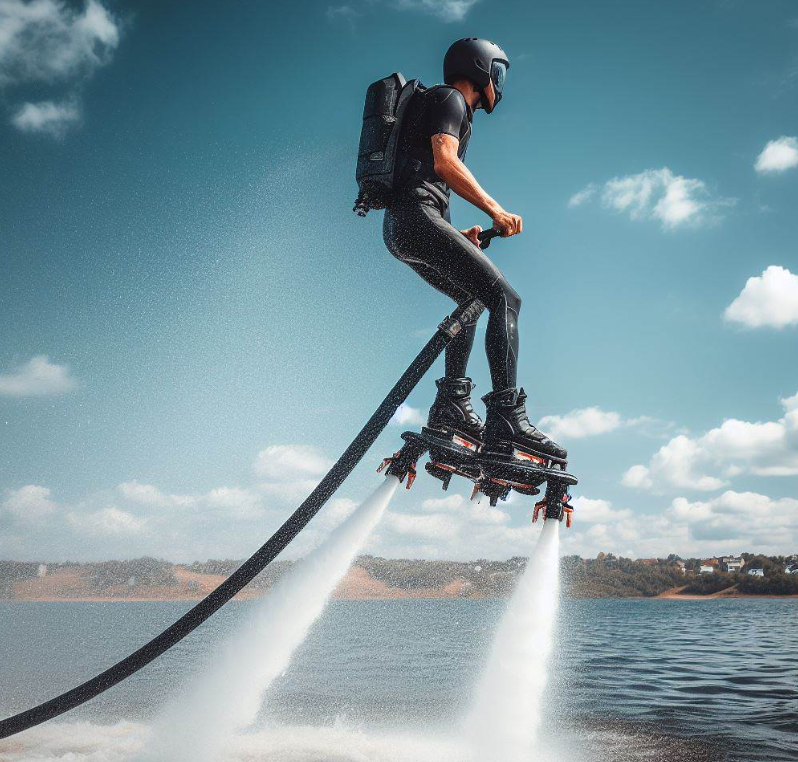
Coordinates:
(756, 572)
(707, 569)
(792, 569)
(732, 564)
(649, 561)
(681, 565)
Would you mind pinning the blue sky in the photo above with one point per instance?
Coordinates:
(195, 323)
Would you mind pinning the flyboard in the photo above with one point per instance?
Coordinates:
(494, 474)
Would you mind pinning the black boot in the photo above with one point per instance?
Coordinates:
(507, 426)
(452, 412)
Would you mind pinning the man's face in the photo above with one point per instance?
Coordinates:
(489, 96)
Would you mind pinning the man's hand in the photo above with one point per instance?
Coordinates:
(472, 234)
(507, 224)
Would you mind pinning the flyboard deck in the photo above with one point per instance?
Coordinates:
(494, 475)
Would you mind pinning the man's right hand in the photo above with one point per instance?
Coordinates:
(507, 224)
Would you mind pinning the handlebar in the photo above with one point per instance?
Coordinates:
(486, 236)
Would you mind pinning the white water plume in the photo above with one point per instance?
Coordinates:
(225, 698)
(508, 708)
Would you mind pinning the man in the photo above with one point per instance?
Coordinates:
(417, 230)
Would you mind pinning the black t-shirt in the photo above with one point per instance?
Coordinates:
(439, 109)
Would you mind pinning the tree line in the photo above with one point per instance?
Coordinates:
(606, 576)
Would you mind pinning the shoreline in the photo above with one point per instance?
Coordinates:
(78, 584)
(397, 595)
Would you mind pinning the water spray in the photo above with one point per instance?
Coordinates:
(199, 724)
(508, 708)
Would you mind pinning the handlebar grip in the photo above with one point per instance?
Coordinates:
(486, 236)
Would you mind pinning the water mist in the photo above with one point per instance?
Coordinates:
(226, 698)
(508, 707)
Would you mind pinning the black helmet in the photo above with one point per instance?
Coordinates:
(478, 60)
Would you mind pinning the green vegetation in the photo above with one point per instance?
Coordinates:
(225, 567)
(136, 573)
(773, 584)
(609, 577)
(605, 576)
(14, 571)
(707, 584)
(483, 578)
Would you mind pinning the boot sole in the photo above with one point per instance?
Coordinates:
(456, 436)
(515, 452)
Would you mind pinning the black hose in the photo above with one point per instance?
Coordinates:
(267, 553)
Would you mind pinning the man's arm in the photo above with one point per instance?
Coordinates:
(459, 178)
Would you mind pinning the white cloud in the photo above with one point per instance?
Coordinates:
(708, 462)
(599, 526)
(421, 526)
(287, 462)
(657, 194)
(147, 494)
(582, 196)
(778, 156)
(638, 477)
(593, 421)
(107, 522)
(478, 513)
(236, 503)
(49, 41)
(138, 518)
(729, 523)
(675, 465)
(288, 492)
(578, 424)
(408, 416)
(593, 511)
(449, 503)
(769, 300)
(231, 503)
(29, 504)
(445, 10)
(344, 12)
(459, 530)
(289, 472)
(742, 519)
(484, 513)
(337, 511)
(37, 378)
(46, 118)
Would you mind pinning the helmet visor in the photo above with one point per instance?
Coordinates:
(498, 74)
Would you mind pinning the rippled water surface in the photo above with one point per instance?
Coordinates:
(632, 680)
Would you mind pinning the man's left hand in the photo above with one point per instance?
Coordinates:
(472, 233)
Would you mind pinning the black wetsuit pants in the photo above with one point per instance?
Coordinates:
(417, 233)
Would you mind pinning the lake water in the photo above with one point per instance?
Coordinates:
(390, 681)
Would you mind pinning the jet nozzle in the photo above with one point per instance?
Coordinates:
(555, 505)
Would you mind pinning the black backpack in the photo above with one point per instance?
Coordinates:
(377, 155)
